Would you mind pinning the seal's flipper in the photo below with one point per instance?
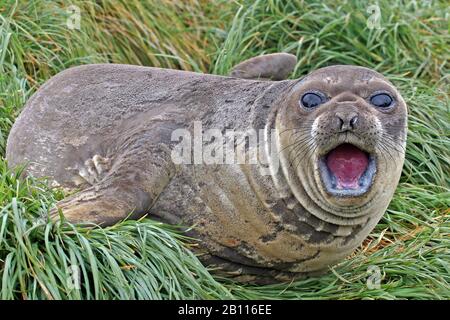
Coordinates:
(94, 169)
(98, 207)
(275, 66)
(122, 193)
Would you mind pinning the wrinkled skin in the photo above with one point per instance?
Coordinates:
(106, 130)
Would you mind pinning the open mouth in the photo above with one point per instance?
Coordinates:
(347, 170)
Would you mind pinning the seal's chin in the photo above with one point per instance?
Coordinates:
(347, 171)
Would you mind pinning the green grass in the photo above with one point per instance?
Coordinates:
(145, 259)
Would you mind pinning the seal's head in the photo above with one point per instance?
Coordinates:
(342, 132)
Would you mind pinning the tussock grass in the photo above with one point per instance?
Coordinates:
(133, 260)
(145, 259)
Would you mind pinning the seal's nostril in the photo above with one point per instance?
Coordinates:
(346, 121)
(353, 122)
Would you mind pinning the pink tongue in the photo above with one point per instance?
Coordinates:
(347, 163)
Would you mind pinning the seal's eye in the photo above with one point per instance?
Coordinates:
(311, 100)
(381, 100)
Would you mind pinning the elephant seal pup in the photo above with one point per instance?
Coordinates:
(327, 165)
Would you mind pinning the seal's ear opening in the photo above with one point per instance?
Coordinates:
(275, 66)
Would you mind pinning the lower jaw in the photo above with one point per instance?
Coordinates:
(330, 183)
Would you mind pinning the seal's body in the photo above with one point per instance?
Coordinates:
(108, 131)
